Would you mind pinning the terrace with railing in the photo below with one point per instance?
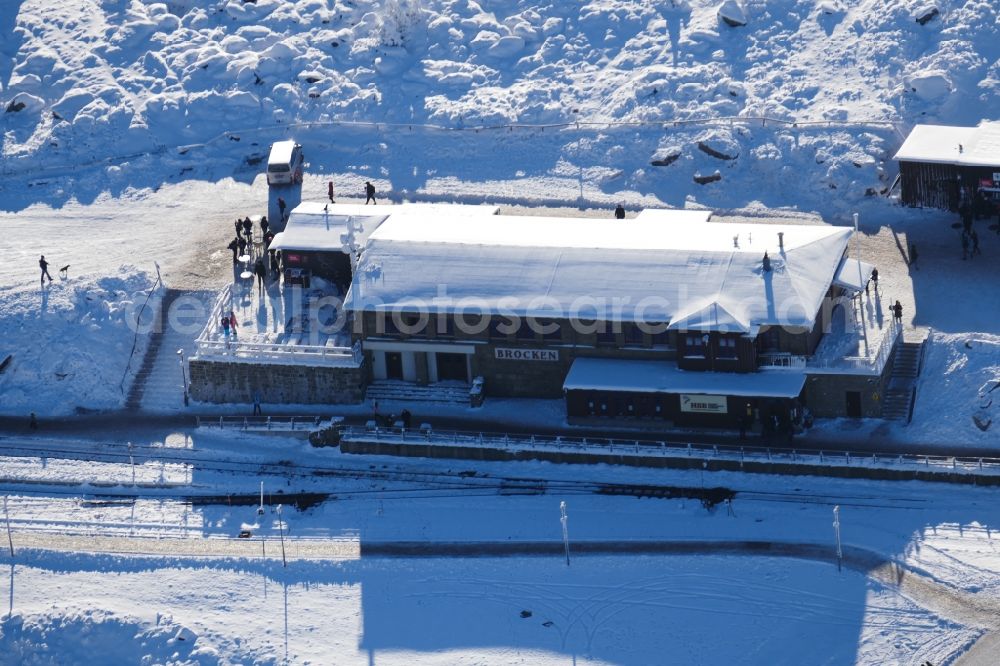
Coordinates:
(848, 352)
(296, 328)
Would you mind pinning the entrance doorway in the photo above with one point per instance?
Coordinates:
(451, 367)
(854, 404)
(393, 365)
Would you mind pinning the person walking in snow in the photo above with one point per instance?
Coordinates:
(620, 212)
(913, 255)
(975, 243)
(369, 193)
(281, 208)
(329, 191)
(263, 226)
(234, 245)
(248, 229)
(897, 312)
(875, 279)
(232, 322)
(224, 324)
(44, 265)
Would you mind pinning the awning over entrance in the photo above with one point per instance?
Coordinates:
(852, 274)
(603, 374)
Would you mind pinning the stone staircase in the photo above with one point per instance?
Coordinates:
(158, 384)
(442, 393)
(900, 392)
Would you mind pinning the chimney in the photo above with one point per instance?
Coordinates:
(767, 262)
(781, 241)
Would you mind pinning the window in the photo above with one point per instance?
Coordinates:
(412, 324)
(694, 345)
(445, 326)
(633, 335)
(727, 347)
(551, 331)
(500, 328)
(606, 334)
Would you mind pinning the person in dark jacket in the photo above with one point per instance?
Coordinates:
(44, 265)
(329, 191)
(261, 272)
(897, 312)
(234, 245)
(248, 229)
(620, 212)
(281, 208)
(369, 193)
(263, 226)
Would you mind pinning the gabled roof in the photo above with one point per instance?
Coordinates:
(710, 316)
(658, 267)
(944, 144)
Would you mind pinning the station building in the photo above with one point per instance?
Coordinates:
(665, 316)
(945, 167)
(670, 316)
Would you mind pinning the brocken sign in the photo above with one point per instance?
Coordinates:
(504, 354)
(703, 404)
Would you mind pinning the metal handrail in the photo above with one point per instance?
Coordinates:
(206, 346)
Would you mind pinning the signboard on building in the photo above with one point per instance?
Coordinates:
(504, 354)
(703, 404)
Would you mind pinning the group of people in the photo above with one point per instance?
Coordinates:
(243, 243)
(228, 325)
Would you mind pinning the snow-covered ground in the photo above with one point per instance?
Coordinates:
(628, 608)
(132, 137)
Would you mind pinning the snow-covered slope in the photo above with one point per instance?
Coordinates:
(123, 79)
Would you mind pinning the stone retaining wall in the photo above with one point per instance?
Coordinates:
(237, 381)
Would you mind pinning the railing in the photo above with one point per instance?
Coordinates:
(777, 360)
(979, 466)
(138, 327)
(276, 423)
(877, 363)
(269, 351)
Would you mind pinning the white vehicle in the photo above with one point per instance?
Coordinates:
(284, 164)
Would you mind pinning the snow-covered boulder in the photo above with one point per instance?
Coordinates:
(733, 14)
(925, 12)
(25, 102)
(506, 46)
(930, 85)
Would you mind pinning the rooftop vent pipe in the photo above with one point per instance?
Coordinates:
(767, 262)
(781, 241)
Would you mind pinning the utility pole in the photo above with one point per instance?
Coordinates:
(564, 519)
(281, 535)
(857, 251)
(836, 531)
(10, 539)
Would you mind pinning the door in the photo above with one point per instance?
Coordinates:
(451, 367)
(854, 404)
(393, 365)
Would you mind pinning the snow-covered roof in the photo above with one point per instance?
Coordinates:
(281, 152)
(605, 374)
(711, 316)
(944, 144)
(314, 226)
(660, 266)
(853, 274)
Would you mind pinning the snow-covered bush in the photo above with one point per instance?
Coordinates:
(402, 22)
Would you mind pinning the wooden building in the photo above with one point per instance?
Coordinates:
(945, 167)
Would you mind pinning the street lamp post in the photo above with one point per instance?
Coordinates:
(861, 309)
(180, 355)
